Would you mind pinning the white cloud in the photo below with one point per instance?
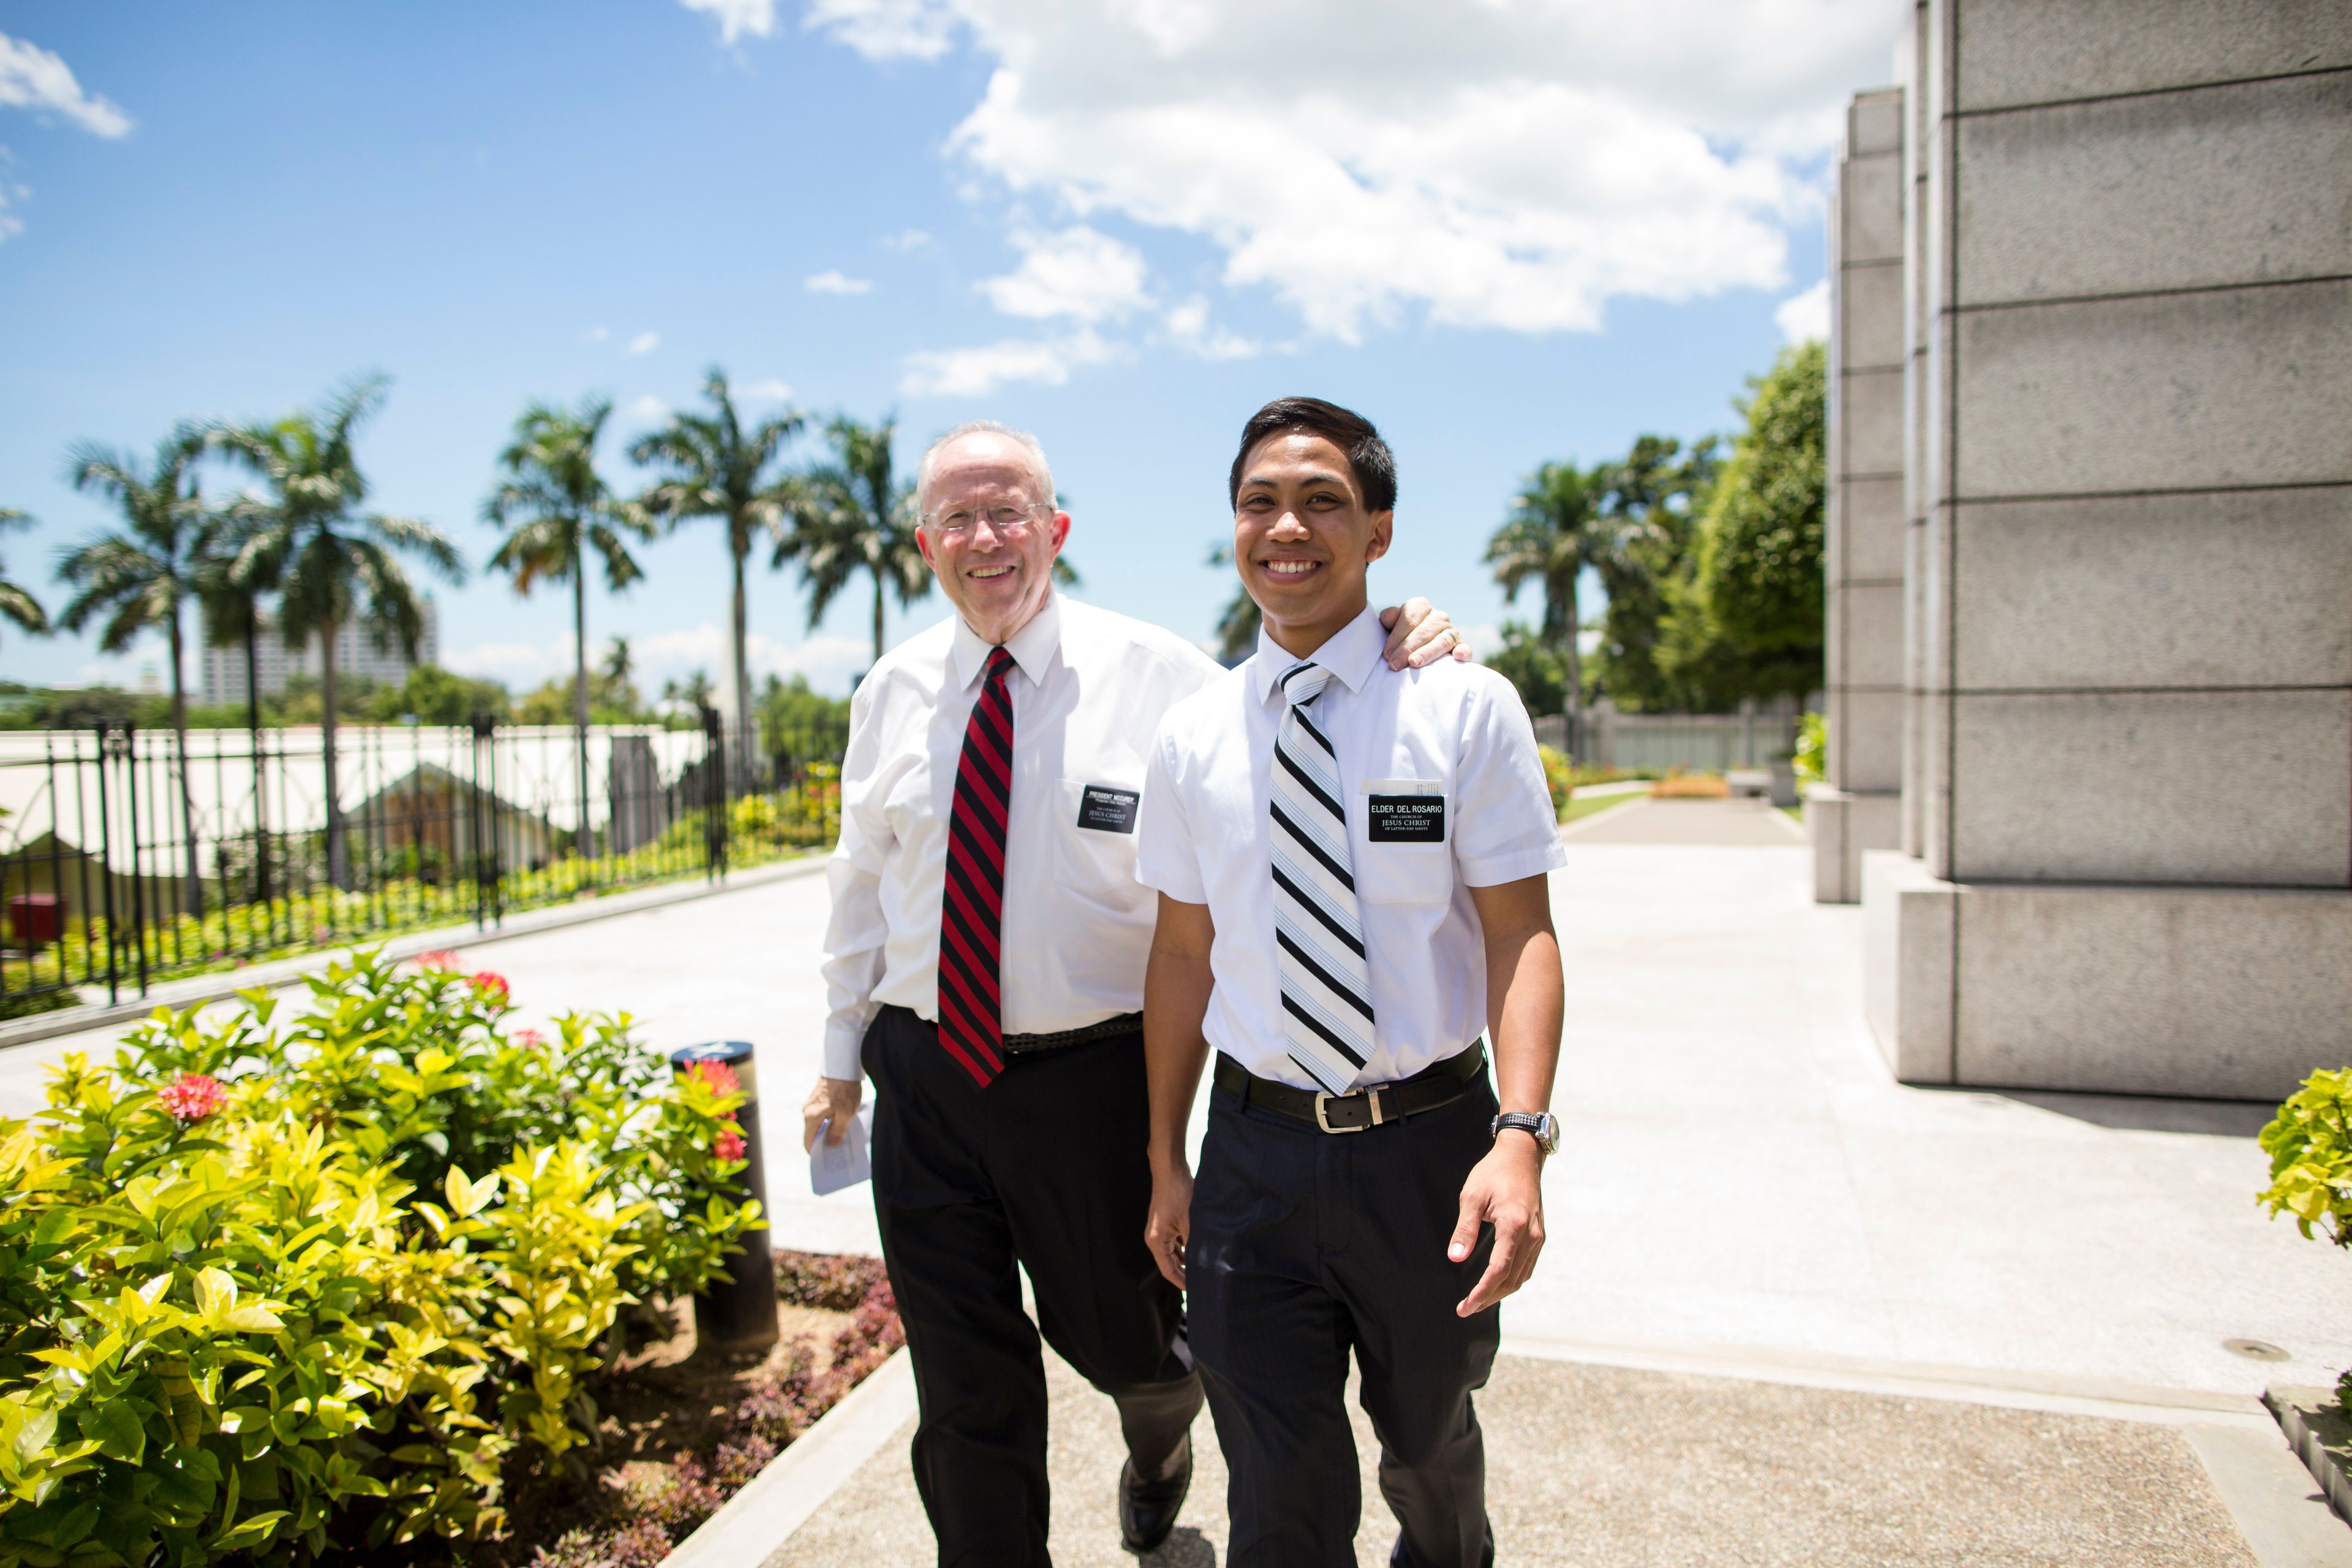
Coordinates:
(976, 372)
(596, 334)
(1188, 325)
(32, 78)
(906, 239)
(649, 407)
(735, 17)
(771, 390)
(645, 342)
(833, 282)
(1804, 317)
(1076, 272)
(886, 29)
(1491, 166)
(516, 665)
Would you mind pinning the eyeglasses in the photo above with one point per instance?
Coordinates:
(957, 522)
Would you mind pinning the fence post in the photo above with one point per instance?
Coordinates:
(716, 766)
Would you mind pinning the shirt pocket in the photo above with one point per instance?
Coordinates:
(1402, 841)
(1094, 838)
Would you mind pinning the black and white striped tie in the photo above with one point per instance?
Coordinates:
(1326, 998)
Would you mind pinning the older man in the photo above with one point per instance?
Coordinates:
(984, 966)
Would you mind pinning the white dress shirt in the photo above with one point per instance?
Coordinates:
(1451, 732)
(1087, 694)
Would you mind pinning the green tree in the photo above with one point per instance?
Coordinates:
(1555, 531)
(1649, 504)
(331, 562)
(16, 603)
(800, 726)
(139, 576)
(436, 696)
(856, 519)
(1533, 666)
(1238, 627)
(616, 680)
(717, 468)
(555, 509)
(1751, 621)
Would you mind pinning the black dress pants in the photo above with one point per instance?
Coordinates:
(1306, 1246)
(1046, 1168)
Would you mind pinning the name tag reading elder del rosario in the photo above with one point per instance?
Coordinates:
(1107, 810)
(1404, 811)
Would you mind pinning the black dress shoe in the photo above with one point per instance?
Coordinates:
(1147, 1510)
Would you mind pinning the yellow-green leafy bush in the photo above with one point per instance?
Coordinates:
(269, 1287)
(2310, 1145)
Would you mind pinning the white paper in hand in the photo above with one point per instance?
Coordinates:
(834, 1168)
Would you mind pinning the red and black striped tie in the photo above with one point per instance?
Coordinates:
(972, 908)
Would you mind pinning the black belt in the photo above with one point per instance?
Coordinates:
(1023, 1045)
(1427, 1089)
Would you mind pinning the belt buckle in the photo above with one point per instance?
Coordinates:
(1371, 1098)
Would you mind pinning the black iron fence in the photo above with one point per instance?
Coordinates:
(125, 860)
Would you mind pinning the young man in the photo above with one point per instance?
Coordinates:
(1351, 867)
(984, 963)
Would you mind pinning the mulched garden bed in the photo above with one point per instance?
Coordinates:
(681, 1433)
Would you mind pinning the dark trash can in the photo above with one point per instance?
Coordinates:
(37, 919)
(735, 1314)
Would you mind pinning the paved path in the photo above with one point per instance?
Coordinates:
(1612, 1467)
(1740, 1179)
(1744, 821)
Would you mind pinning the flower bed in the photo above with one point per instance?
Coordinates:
(356, 1284)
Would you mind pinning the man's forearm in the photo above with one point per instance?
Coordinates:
(1528, 1021)
(1175, 1000)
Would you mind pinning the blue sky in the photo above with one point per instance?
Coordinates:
(1508, 231)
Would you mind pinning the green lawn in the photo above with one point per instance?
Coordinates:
(1586, 805)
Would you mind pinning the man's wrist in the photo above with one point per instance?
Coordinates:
(1540, 1127)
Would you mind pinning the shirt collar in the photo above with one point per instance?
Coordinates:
(1033, 647)
(1350, 654)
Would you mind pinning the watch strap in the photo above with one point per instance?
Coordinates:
(1543, 1127)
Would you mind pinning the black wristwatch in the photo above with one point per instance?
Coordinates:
(1543, 1126)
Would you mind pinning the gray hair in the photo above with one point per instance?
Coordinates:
(987, 427)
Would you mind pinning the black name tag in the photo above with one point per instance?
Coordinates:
(1406, 818)
(1107, 810)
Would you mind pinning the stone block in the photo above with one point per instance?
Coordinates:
(1870, 620)
(2233, 184)
(1874, 123)
(1870, 209)
(1866, 740)
(1843, 828)
(1907, 984)
(1868, 437)
(1934, 784)
(1871, 529)
(2244, 588)
(2252, 788)
(1870, 315)
(2242, 386)
(2230, 994)
(2011, 52)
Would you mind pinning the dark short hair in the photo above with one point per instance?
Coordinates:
(1367, 455)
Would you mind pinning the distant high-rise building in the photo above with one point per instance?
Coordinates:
(357, 653)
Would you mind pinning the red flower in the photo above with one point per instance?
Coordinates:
(717, 1076)
(491, 979)
(528, 1037)
(442, 959)
(728, 1144)
(193, 1096)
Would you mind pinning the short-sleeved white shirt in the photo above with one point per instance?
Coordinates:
(1452, 731)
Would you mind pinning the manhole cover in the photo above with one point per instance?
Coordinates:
(2254, 1350)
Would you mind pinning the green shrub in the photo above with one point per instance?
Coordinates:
(228, 1322)
(1811, 756)
(2310, 1145)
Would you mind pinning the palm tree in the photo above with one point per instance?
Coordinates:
(556, 508)
(855, 518)
(229, 590)
(717, 468)
(1238, 627)
(1552, 534)
(16, 602)
(620, 675)
(140, 576)
(329, 559)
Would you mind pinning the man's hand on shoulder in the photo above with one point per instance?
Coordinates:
(1420, 635)
(834, 1099)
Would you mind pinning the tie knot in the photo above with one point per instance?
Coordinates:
(999, 659)
(1303, 683)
